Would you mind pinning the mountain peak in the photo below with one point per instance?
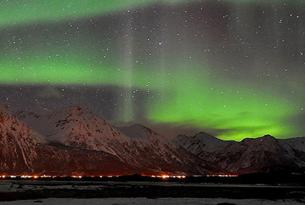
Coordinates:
(268, 139)
(143, 127)
(138, 126)
(17, 142)
(264, 138)
(204, 134)
(137, 131)
(268, 136)
(87, 136)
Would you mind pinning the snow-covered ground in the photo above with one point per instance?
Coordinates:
(30, 185)
(49, 190)
(161, 201)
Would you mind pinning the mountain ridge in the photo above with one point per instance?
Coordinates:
(75, 140)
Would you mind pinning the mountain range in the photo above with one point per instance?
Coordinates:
(74, 141)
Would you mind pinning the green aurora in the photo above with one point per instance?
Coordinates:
(18, 12)
(190, 95)
(187, 97)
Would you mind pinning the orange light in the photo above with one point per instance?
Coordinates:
(77, 177)
(164, 176)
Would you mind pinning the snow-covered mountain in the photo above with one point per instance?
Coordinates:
(79, 128)
(136, 146)
(75, 141)
(17, 144)
(24, 151)
(158, 153)
(262, 154)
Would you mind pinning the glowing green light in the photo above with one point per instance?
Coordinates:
(186, 93)
(235, 111)
(16, 12)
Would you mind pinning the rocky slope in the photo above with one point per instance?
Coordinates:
(138, 147)
(76, 142)
(23, 151)
(18, 144)
(264, 154)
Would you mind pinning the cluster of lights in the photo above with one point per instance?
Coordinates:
(26, 176)
(36, 176)
(169, 176)
(76, 177)
(80, 176)
(8, 177)
(222, 175)
(46, 176)
(164, 176)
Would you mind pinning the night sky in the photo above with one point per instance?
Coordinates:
(233, 68)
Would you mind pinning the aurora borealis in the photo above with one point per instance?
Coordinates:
(232, 68)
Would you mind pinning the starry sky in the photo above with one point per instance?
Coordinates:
(233, 68)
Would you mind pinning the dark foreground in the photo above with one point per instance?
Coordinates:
(12, 190)
(159, 201)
